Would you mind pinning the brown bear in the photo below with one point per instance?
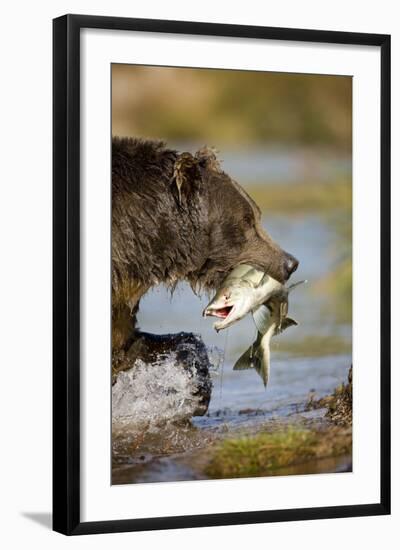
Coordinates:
(175, 217)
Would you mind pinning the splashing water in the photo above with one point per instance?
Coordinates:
(216, 356)
(151, 408)
(152, 404)
(150, 394)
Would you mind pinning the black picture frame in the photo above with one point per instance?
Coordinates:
(66, 273)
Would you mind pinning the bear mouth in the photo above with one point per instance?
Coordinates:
(221, 312)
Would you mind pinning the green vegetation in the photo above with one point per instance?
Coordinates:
(242, 109)
(333, 201)
(338, 285)
(232, 107)
(266, 453)
(339, 282)
(313, 346)
(299, 198)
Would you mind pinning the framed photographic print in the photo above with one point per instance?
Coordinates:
(221, 274)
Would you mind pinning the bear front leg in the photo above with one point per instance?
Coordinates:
(123, 335)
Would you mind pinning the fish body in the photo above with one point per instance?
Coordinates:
(257, 356)
(242, 291)
(270, 319)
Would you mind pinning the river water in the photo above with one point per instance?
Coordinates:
(312, 357)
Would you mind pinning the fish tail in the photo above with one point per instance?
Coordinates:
(245, 361)
(255, 358)
(262, 365)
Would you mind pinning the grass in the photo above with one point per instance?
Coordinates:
(266, 453)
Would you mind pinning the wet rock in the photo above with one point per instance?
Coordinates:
(185, 350)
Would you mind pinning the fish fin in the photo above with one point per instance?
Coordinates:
(261, 317)
(294, 285)
(288, 322)
(255, 276)
(255, 358)
(264, 279)
(246, 360)
(239, 272)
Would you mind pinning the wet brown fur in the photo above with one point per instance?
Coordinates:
(177, 217)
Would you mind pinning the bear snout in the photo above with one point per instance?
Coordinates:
(290, 264)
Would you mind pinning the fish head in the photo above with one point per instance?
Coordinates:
(231, 303)
(245, 289)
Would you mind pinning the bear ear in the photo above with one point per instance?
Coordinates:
(186, 171)
(207, 158)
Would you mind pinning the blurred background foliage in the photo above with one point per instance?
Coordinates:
(232, 108)
(286, 138)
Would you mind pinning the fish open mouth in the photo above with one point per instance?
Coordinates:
(221, 312)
